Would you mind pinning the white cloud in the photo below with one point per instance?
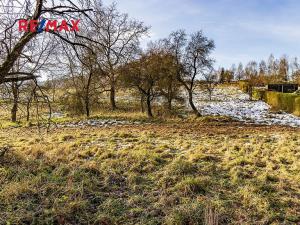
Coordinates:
(283, 32)
(242, 30)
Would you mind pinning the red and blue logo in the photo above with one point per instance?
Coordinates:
(48, 25)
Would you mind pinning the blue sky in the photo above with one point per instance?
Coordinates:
(243, 30)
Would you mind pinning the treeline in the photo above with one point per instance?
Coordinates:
(167, 69)
(104, 57)
(266, 71)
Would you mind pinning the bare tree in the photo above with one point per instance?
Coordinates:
(240, 74)
(169, 86)
(272, 67)
(251, 72)
(263, 70)
(15, 91)
(147, 75)
(13, 42)
(283, 70)
(119, 37)
(295, 70)
(33, 60)
(192, 59)
(83, 80)
(233, 69)
(211, 81)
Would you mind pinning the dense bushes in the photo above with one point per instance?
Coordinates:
(72, 104)
(244, 86)
(297, 107)
(258, 94)
(283, 101)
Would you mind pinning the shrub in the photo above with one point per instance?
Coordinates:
(72, 104)
(297, 107)
(258, 94)
(283, 101)
(244, 86)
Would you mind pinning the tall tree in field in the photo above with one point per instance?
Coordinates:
(233, 70)
(272, 68)
(83, 83)
(283, 70)
(192, 55)
(146, 75)
(228, 75)
(211, 81)
(222, 75)
(251, 72)
(169, 86)
(33, 60)
(240, 72)
(295, 70)
(263, 71)
(120, 38)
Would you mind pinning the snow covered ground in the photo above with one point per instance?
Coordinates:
(232, 102)
(100, 123)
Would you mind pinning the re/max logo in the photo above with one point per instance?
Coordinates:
(48, 25)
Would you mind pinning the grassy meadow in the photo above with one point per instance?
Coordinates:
(108, 118)
(198, 171)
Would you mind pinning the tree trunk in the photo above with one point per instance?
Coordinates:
(210, 94)
(28, 111)
(14, 113)
(170, 97)
(15, 53)
(250, 91)
(170, 104)
(87, 95)
(197, 113)
(87, 107)
(53, 94)
(28, 106)
(142, 103)
(149, 109)
(113, 97)
(15, 102)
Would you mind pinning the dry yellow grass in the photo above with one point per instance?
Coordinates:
(193, 172)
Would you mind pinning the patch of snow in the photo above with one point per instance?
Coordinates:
(234, 103)
(57, 115)
(99, 123)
